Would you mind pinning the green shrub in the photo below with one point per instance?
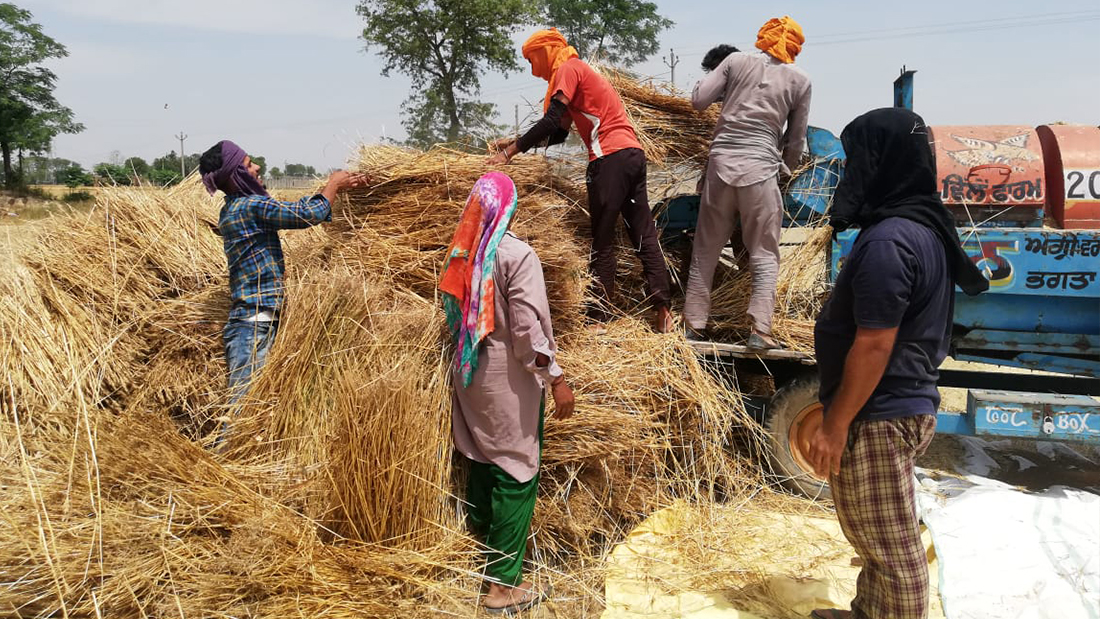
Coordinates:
(78, 196)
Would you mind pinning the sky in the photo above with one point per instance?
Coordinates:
(292, 81)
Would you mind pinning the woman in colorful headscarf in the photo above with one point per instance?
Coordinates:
(616, 176)
(499, 316)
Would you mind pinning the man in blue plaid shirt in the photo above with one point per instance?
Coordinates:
(249, 225)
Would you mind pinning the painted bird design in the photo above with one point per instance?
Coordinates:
(982, 152)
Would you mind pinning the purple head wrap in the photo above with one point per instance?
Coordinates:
(232, 178)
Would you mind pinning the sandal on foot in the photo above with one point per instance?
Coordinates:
(757, 342)
(693, 335)
(529, 600)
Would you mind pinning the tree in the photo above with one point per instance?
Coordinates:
(298, 169)
(171, 161)
(37, 170)
(444, 46)
(136, 166)
(620, 31)
(165, 177)
(30, 116)
(112, 174)
(40, 170)
(262, 162)
(276, 173)
(73, 176)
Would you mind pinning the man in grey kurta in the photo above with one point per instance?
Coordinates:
(760, 94)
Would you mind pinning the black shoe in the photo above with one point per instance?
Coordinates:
(757, 342)
(692, 335)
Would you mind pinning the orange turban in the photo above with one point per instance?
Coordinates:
(781, 38)
(547, 50)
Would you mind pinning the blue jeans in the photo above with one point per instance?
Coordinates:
(246, 346)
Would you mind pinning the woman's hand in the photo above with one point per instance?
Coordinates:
(564, 402)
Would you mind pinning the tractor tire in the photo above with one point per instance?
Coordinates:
(792, 416)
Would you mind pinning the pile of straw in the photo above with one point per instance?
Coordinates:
(336, 493)
(670, 130)
(799, 294)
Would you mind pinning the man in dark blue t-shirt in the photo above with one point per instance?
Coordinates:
(895, 290)
(879, 341)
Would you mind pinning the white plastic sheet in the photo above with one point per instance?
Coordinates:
(1007, 553)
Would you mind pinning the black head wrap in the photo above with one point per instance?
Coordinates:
(891, 172)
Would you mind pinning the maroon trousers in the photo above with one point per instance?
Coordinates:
(617, 186)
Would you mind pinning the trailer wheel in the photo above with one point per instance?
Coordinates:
(793, 415)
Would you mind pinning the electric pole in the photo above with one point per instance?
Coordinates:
(517, 121)
(671, 61)
(183, 170)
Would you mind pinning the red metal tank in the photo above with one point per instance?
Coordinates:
(990, 174)
(1072, 154)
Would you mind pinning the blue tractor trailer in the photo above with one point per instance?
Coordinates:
(1026, 201)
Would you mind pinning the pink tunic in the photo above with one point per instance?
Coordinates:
(496, 419)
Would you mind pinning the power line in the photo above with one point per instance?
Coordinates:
(980, 22)
(983, 25)
(957, 30)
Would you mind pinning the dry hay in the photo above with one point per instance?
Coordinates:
(800, 291)
(336, 493)
(401, 227)
(670, 130)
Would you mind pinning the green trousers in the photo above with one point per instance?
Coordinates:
(499, 512)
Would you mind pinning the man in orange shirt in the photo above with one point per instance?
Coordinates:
(616, 177)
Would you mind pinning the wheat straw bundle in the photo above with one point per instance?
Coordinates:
(336, 493)
(670, 130)
(134, 520)
(799, 294)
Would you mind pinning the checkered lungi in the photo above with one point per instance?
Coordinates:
(876, 506)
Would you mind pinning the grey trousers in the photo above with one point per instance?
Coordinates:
(761, 209)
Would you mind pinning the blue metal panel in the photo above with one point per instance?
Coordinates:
(903, 89)
(1056, 363)
(1027, 313)
(1026, 415)
(808, 196)
(1065, 343)
(1040, 280)
(1042, 363)
(1039, 262)
(822, 144)
(954, 423)
(678, 214)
